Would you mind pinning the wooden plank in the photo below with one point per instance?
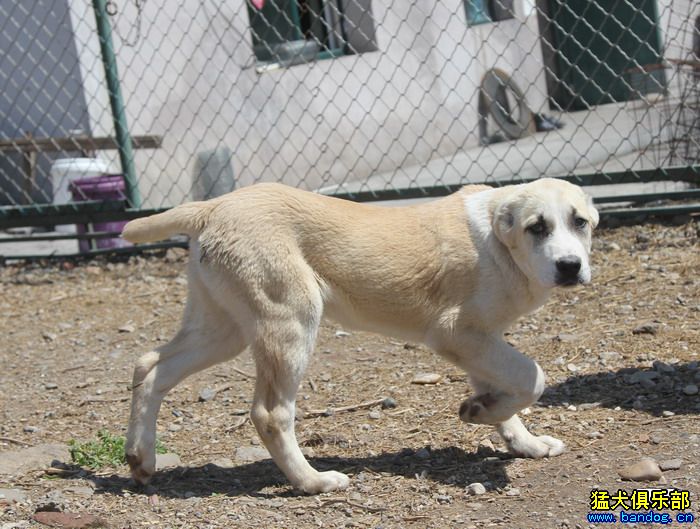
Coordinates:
(77, 143)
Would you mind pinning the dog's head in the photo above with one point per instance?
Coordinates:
(546, 226)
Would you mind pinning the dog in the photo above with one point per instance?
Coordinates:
(268, 261)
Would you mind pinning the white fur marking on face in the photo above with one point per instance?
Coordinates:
(563, 241)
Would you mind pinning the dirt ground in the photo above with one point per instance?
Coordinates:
(70, 337)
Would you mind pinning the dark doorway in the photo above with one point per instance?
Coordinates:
(594, 51)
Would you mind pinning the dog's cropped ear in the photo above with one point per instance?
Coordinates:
(592, 212)
(503, 223)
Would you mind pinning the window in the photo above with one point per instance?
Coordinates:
(297, 31)
(483, 11)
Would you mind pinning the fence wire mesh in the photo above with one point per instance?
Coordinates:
(345, 95)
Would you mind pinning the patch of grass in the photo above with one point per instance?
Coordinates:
(106, 451)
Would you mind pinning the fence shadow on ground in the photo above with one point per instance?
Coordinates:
(651, 391)
(446, 465)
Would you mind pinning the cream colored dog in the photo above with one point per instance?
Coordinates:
(269, 261)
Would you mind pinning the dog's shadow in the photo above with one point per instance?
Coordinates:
(445, 465)
(625, 388)
(650, 391)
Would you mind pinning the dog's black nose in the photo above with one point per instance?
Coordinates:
(569, 266)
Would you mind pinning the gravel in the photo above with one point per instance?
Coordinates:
(413, 466)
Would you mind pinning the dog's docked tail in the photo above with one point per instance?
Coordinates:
(188, 219)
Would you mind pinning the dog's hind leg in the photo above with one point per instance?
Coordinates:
(207, 337)
(281, 350)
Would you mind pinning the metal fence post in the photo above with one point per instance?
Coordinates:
(126, 154)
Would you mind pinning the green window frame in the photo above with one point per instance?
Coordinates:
(297, 31)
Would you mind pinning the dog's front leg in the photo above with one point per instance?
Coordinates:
(522, 443)
(505, 382)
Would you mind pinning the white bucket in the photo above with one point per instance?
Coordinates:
(65, 170)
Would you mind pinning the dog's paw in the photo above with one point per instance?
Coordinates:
(326, 482)
(142, 469)
(536, 447)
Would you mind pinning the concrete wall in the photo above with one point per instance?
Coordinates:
(191, 78)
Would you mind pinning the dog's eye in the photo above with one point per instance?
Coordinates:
(580, 222)
(538, 228)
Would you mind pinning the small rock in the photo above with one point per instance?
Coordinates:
(647, 328)
(374, 414)
(443, 498)
(9, 496)
(49, 336)
(341, 334)
(67, 520)
(656, 438)
(388, 404)
(207, 394)
(644, 470)
(224, 462)
(610, 356)
(168, 460)
(486, 445)
(638, 376)
(663, 367)
(572, 367)
(513, 492)
(50, 385)
(83, 492)
(690, 389)
(16, 462)
(647, 384)
(30, 429)
(564, 337)
(250, 454)
(426, 378)
(624, 309)
(670, 464)
(667, 413)
(51, 501)
(128, 327)
(613, 246)
(172, 427)
(423, 453)
(594, 435)
(475, 489)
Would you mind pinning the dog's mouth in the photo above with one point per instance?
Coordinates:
(569, 281)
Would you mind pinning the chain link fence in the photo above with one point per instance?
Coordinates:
(366, 99)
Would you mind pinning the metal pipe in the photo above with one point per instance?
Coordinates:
(109, 60)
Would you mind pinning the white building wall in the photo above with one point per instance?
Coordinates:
(190, 78)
